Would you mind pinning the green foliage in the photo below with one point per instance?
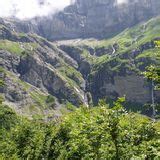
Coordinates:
(130, 40)
(96, 133)
(12, 47)
(103, 133)
(8, 118)
(50, 101)
(70, 106)
(21, 138)
(1, 99)
(2, 83)
(153, 74)
(73, 77)
(2, 75)
(43, 100)
(18, 48)
(132, 37)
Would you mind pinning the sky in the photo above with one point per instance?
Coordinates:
(30, 8)
(24, 9)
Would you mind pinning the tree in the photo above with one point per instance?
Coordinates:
(87, 133)
(103, 133)
(153, 75)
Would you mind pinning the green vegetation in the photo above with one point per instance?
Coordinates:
(150, 53)
(153, 75)
(73, 77)
(97, 133)
(21, 138)
(2, 76)
(126, 61)
(12, 47)
(43, 100)
(20, 49)
(87, 56)
(126, 42)
(40, 101)
(136, 49)
(132, 37)
(70, 107)
(2, 83)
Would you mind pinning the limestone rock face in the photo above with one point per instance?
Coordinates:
(83, 19)
(9, 61)
(43, 75)
(90, 18)
(98, 18)
(133, 86)
(39, 64)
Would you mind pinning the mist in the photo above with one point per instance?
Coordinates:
(25, 9)
(122, 1)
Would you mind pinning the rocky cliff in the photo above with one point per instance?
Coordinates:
(91, 18)
(36, 75)
(116, 64)
(43, 77)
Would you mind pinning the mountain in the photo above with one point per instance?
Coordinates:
(91, 18)
(83, 83)
(37, 76)
(48, 78)
(117, 63)
(41, 78)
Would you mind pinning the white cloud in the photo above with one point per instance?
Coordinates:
(122, 1)
(30, 8)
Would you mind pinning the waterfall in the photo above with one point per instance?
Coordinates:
(153, 100)
(85, 93)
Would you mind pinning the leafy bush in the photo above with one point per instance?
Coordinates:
(96, 133)
(103, 133)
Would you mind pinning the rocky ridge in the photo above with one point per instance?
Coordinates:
(116, 64)
(34, 68)
(39, 77)
(90, 18)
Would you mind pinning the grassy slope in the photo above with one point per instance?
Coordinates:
(40, 101)
(128, 40)
(142, 33)
(131, 39)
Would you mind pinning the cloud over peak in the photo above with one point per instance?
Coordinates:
(30, 8)
(122, 1)
(25, 9)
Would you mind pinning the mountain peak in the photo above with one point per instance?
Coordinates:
(91, 18)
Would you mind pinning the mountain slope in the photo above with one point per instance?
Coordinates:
(118, 63)
(38, 77)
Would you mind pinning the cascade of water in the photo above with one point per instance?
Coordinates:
(153, 100)
(85, 93)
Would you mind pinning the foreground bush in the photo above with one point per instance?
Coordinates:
(97, 133)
